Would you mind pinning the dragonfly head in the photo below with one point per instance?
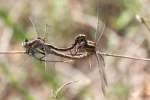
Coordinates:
(26, 43)
(81, 39)
(26, 40)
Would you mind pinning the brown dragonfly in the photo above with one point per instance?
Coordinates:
(83, 47)
(35, 47)
(40, 45)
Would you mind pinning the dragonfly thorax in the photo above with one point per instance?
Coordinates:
(37, 43)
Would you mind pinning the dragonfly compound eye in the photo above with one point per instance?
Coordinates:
(26, 40)
(82, 39)
(24, 44)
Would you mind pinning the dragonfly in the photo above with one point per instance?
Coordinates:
(84, 48)
(36, 45)
(34, 48)
(41, 46)
(81, 43)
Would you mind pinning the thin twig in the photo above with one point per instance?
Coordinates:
(123, 56)
(12, 52)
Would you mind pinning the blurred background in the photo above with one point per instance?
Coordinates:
(24, 78)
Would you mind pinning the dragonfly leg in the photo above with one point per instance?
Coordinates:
(30, 51)
(75, 52)
(41, 58)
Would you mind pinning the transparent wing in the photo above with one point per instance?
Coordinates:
(45, 63)
(101, 69)
(40, 26)
(100, 28)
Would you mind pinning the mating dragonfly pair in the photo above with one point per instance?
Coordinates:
(81, 48)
